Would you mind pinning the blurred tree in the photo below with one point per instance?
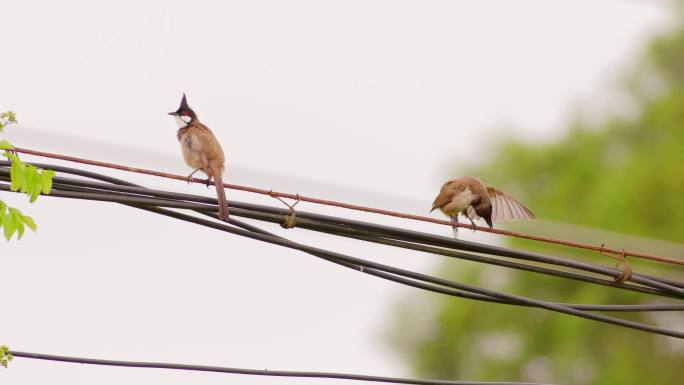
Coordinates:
(625, 175)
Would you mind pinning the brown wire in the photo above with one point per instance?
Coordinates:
(396, 214)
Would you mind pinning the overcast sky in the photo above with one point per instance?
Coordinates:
(371, 102)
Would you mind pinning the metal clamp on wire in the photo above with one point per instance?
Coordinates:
(291, 219)
(626, 271)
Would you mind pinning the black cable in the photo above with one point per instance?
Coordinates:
(349, 260)
(345, 231)
(457, 293)
(252, 372)
(366, 264)
(422, 277)
(435, 240)
(661, 283)
(418, 284)
(368, 236)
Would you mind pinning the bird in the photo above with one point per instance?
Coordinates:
(201, 151)
(469, 196)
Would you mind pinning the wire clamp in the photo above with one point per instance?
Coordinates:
(622, 264)
(291, 219)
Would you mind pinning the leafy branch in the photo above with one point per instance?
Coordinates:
(5, 356)
(7, 118)
(25, 178)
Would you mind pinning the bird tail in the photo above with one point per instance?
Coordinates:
(221, 195)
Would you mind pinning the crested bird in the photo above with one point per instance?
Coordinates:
(474, 199)
(201, 151)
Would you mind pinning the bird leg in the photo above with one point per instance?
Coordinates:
(454, 225)
(465, 214)
(191, 174)
(472, 223)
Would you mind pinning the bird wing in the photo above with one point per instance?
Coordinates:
(204, 140)
(443, 198)
(507, 208)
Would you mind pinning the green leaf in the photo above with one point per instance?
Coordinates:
(33, 182)
(18, 221)
(5, 145)
(29, 222)
(14, 221)
(9, 227)
(30, 175)
(17, 175)
(46, 181)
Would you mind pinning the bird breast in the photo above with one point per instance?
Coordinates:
(191, 149)
(459, 202)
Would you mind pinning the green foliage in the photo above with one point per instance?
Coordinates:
(625, 175)
(29, 179)
(25, 178)
(7, 118)
(5, 356)
(12, 220)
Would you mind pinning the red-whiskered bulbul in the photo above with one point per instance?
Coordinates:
(201, 151)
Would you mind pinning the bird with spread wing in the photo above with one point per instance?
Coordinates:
(474, 199)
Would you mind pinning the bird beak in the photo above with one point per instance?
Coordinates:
(173, 113)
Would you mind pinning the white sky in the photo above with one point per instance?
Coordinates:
(378, 96)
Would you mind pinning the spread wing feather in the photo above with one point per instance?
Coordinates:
(507, 208)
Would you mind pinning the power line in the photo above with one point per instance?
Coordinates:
(252, 372)
(183, 201)
(600, 249)
(152, 200)
(261, 212)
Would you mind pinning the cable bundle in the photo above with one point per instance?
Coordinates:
(202, 211)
